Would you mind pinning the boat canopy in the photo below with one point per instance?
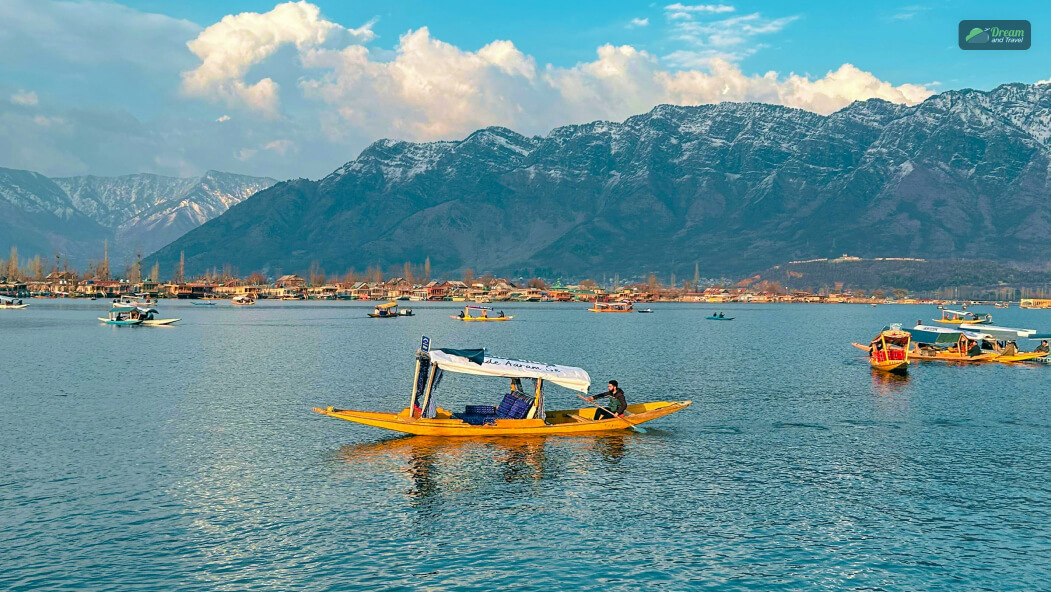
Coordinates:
(387, 305)
(934, 335)
(476, 362)
(129, 308)
(479, 307)
(1000, 332)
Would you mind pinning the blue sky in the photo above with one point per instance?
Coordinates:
(296, 90)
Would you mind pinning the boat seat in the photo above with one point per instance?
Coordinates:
(513, 407)
(475, 418)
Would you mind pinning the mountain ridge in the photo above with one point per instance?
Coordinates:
(139, 212)
(733, 187)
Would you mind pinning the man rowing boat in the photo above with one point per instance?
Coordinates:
(617, 402)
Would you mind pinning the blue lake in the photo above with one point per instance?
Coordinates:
(188, 457)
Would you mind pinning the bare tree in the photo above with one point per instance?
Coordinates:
(427, 270)
(317, 276)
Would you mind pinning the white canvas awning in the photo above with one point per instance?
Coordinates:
(567, 376)
(999, 332)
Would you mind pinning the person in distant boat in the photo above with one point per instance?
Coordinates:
(461, 314)
(501, 315)
(617, 402)
(1043, 348)
(721, 315)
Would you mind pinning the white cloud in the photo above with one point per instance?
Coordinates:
(338, 94)
(909, 12)
(707, 8)
(25, 98)
(433, 90)
(280, 146)
(728, 38)
(229, 48)
(639, 22)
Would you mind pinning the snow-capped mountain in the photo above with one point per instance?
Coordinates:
(136, 213)
(735, 187)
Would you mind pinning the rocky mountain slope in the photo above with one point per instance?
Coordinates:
(136, 213)
(735, 187)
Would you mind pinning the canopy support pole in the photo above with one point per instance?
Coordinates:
(415, 384)
(427, 393)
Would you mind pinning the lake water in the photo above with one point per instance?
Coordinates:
(188, 457)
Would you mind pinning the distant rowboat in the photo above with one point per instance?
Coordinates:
(481, 314)
(11, 303)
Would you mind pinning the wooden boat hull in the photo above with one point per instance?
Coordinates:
(120, 323)
(159, 322)
(13, 306)
(953, 357)
(608, 311)
(1020, 357)
(481, 319)
(565, 422)
(720, 318)
(373, 315)
(892, 366)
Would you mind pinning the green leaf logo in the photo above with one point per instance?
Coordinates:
(977, 35)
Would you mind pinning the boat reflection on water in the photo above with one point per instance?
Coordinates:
(891, 391)
(441, 469)
(612, 447)
(887, 383)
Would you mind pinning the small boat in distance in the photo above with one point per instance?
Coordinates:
(647, 310)
(520, 412)
(385, 311)
(242, 300)
(475, 313)
(623, 306)
(406, 312)
(957, 317)
(719, 317)
(120, 316)
(143, 315)
(137, 299)
(6, 302)
(889, 351)
(202, 303)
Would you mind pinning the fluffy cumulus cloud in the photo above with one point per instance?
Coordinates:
(230, 47)
(430, 89)
(290, 93)
(433, 90)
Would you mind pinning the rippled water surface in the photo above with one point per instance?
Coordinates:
(188, 458)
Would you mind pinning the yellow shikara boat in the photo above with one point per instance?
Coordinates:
(969, 345)
(889, 351)
(385, 311)
(612, 307)
(481, 314)
(521, 412)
